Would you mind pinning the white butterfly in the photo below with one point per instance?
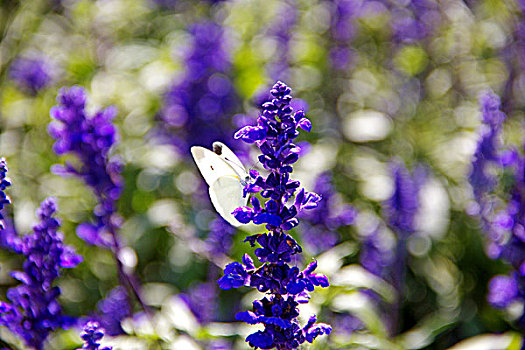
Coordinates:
(226, 176)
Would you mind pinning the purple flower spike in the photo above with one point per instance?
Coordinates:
(401, 208)
(113, 309)
(277, 127)
(90, 139)
(502, 206)
(197, 107)
(34, 312)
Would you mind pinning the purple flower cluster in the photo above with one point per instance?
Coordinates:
(287, 286)
(90, 138)
(502, 212)
(91, 335)
(196, 108)
(401, 208)
(376, 256)
(399, 211)
(487, 154)
(113, 309)
(31, 74)
(202, 301)
(34, 311)
(4, 183)
(319, 229)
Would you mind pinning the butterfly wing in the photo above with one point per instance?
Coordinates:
(231, 158)
(226, 196)
(211, 165)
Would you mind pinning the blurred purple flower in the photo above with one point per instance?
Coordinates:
(220, 237)
(401, 208)
(277, 126)
(197, 108)
(488, 155)
(503, 290)
(112, 310)
(31, 74)
(376, 254)
(34, 311)
(319, 229)
(498, 181)
(91, 335)
(90, 139)
(202, 301)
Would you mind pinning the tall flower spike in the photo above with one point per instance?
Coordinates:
(401, 208)
(287, 287)
(34, 311)
(90, 138)
(502, 212)
(4, 183)
(196, 108)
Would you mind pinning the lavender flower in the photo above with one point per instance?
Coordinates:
(287, 286)
(502, 212)
(399, 211)
(34, 311)
(388, 258)
(31, 74)
(90, 138)
(401, 208)
(197, 107)
(91, 335)
(112, 310)
(487, 151)
(320, 228)
(4, 183)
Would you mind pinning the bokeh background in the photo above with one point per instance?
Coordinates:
(391, 88)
